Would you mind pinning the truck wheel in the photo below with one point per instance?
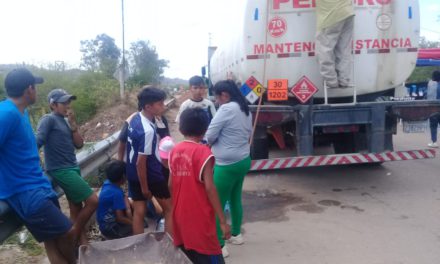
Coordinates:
(260, 149)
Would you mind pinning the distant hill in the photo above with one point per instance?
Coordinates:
(5, 68)
(174, 82)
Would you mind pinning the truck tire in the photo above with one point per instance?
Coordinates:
(260, 148)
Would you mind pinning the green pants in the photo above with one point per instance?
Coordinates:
(228, 180)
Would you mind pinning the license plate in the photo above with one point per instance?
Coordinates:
(415, 126)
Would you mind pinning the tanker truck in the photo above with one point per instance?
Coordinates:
(270, 53)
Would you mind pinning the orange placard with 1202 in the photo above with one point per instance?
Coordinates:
(277, 90)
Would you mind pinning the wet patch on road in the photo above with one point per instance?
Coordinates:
(329, 203)
(267, 205)
(354, 208)
(346, 189)
(308, 208)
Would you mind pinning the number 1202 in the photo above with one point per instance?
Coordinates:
(277, 95)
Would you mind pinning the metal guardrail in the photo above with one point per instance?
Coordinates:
(89, 160)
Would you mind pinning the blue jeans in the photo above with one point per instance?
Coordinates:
(434, 121)
(40, 212)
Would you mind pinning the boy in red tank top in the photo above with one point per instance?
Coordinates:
(193, 194)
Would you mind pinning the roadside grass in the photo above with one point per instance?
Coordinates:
(96, 180)
(26, 242)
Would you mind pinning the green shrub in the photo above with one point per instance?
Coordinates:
(422, 74)
(93, 91)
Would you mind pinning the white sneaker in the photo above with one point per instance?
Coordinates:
(236, 240)
(225, 251)
(332, 85)
(433, 145)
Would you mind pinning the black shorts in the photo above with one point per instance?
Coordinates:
(158, 189)
(117, 230)
(198, 258)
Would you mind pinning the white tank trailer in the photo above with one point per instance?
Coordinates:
(275, 39)
(385, 41)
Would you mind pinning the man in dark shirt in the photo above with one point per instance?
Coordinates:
(60, 138)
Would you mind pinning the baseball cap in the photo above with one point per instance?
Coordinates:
(59, 96)
(19, 80)
(166, 144)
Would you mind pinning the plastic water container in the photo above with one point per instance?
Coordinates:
(160, 225)
(227, 207)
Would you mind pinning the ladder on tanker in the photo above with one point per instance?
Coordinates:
(326, 92)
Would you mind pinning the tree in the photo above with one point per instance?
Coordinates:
(146, 66)
(100, 55)
(423, 74)
(424, 43)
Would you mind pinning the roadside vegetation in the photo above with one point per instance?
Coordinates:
(95, 82)
(423, 74)
(26, 242)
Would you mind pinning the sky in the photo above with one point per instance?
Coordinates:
(41, 32)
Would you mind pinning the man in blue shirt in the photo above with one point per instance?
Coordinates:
(23, 185)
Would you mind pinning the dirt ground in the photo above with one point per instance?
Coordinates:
(110, 120)
(105, 123)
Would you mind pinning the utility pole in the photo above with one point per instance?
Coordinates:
(122, 68)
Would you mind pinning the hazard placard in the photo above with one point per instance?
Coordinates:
(252, 89)
(252, 97)
(252, 82)
(277, 84)
(258, 90)
(277, 90)
(304, 89)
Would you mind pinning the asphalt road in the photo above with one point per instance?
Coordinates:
(349, 214)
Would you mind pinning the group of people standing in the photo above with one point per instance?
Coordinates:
(206, 170)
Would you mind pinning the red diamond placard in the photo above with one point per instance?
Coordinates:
(304, 89)
(252, 82)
